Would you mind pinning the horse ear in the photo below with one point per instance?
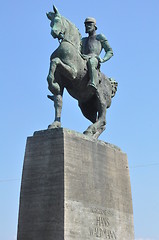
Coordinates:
(56, 10)
(50, 15)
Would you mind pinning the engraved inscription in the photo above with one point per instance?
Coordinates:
(102, 233)
(101, 228)
(102, 222)
(101, 211)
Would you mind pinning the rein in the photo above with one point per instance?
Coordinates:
(65, 40)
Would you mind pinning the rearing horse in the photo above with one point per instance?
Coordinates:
(69, 70)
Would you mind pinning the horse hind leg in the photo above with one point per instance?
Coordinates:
(98, 127)
(95, 129)
(89, 111)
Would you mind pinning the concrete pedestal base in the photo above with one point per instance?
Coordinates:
(74, 188)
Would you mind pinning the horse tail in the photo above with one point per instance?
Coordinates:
(114, 85)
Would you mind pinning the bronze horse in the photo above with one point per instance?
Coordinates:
(69, 70)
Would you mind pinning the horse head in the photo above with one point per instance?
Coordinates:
(57, 26)
(63, 29)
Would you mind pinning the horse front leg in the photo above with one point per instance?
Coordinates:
(58, 108)
(53, 86)
(56, 67)
(68, 71)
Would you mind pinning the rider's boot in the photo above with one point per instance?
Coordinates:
(92, 85)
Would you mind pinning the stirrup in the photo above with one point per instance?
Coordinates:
(93, 86)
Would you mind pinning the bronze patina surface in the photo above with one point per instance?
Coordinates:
(75, 65)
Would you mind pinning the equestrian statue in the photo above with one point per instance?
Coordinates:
(75, 65)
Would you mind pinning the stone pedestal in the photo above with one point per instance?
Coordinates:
(74, 188)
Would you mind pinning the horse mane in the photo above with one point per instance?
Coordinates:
(74, 32)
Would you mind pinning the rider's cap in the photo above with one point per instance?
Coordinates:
(92, 20)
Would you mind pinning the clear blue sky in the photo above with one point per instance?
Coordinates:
(132, 121)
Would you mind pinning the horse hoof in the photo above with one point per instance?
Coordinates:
(55, 124)
(94, 133)
(51, 97)
(88, 133)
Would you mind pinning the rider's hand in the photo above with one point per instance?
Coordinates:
(100, 60)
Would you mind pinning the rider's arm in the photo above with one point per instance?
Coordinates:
(83, 49)
(105, 45)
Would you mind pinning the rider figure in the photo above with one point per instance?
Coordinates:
(91, 49)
